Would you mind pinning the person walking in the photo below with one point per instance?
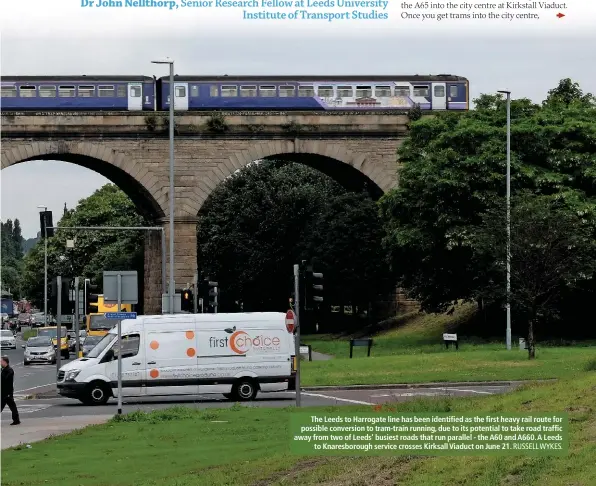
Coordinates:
(7, 390)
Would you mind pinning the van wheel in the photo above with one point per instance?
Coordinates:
(244, 390)
(97, 393)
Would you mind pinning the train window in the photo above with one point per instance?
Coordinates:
(345, 92)
(108, 91)
(194, 91)
(213, 90)
(86, 91)
(121, 91)
(180, 92)
(248, 91)
(47, 91)
(325, 91)
(363, 91)
(453, 90)
(28, 91)
(229, 91)
(381, 91)
(287, 91)
(420, 90)
(307, 91)
(135, 91)
(268, 91)
(402, 91)
(9, 92)
(439, 91)
(66, 91)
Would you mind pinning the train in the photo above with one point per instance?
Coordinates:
(235, 93)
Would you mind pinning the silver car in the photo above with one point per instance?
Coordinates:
(39, 350)
(7, 339)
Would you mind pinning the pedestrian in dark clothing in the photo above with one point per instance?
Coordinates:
(7, 390)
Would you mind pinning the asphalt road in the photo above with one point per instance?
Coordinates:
(64, 407)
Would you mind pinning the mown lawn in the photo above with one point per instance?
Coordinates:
(412, 352)
(250, 446)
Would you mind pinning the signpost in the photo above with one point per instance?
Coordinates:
(125, 291)
(449, 339)
(305, 349)
(296, 324)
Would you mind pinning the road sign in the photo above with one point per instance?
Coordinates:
(290, 321)
(449, 337)
(129, 287)
(120, 315)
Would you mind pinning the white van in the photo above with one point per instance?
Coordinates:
(187, 354)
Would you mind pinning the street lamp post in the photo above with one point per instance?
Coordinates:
(171, 289)
(45, 265)
(508, 197)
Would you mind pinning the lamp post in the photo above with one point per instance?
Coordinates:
(45, 265)
(508, 197)
(171, 289)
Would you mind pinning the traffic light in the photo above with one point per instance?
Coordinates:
(313, 288)
(213, 293)
(66, 305)
(45, 221)
(91, 298)
(187, 300)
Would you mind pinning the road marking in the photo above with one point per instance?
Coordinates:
(379, 396)
(34, 387)
(25, 408)
(461, 390)
(336, 398)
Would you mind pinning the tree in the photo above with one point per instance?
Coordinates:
(454, 172)
(94, 251)
(568, 92)
(552, 249)
(258, 223)
(12, 255)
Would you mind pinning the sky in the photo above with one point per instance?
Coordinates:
(45, 37)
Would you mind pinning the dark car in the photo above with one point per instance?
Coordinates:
(89, 344)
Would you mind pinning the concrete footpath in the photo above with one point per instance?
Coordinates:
(35, 429)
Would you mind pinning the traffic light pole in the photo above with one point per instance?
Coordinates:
(76, 314)
(195, 292)
(297, 336)
(58, 322)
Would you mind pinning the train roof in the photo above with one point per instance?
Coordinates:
(81, 77)
(330, 77)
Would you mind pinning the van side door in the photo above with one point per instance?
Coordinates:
(133, 365)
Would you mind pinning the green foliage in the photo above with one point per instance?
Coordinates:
(454, 172)
(258, 223)
(12, 255)
(415, 113)
(94, 251)
(217, 123)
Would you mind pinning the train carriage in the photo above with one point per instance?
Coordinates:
(87, 93)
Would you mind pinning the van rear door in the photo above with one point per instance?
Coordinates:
(171, 357)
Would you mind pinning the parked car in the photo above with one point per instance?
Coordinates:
(7, 339)
(39, 349)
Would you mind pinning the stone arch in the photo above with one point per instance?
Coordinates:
(342, 164)
(137, 181)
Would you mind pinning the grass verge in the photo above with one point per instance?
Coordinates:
(250, 446)
(29, 333)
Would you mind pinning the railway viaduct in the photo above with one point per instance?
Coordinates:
(357, 149)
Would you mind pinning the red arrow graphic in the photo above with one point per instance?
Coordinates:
(560, 15)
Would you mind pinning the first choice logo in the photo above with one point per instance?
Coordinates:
(240, 342)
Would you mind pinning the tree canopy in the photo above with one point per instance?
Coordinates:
(94, 251)
(258, 223)
(454, 173)
(12, 256)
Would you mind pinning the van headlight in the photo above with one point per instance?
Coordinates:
(71, 375)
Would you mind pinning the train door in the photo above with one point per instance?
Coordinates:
(439, 96)
(135, 96)
(181, 96)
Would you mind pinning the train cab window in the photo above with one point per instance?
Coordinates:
(402, 91)
(306, 91)
(453, 90)
(135, 92)
(248, 91)
(121, 91)
(108, 91)
(47, 91)
(194, 91)
(439, 91)
(28, 91)
(86, 91)
(287, 91)
(66, 91)
(268, 91)
(9, 92)
(420, 90)
(180, 92)
(325, 91)
(213, 90)
(364, 92)
(229, 91)
(382, 91)
(345, 92)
